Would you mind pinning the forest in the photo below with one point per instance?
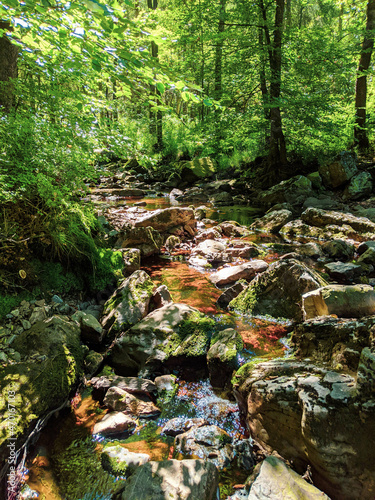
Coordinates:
(286, 83)
(187, 255)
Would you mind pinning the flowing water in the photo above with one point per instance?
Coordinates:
(65, 461)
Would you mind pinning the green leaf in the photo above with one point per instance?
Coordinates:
(160, 87)
(185, 96)
(207, 102)
(180, 85)
(96, 65)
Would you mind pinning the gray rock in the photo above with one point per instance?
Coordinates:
(121, 462)
(179, 425)
(174, 335)
(346, 301)
(139, 405)
(344, 272)
(208, 442)
(222, 356)
(231, 293)
(278, 290)
(360, 185)
(173, 479)
(338, 172)
(274, 480)
(114, 423)
(245, 271)
(129, 303)
(272, 222)
(339, 250)
(91, 329)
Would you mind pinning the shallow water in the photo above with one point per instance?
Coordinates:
(65, 462)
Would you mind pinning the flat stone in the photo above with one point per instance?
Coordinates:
(114, 423)
(243, 271)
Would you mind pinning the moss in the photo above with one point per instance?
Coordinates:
(40, 386)
(245, 302)
(192, 337)
(244, 372)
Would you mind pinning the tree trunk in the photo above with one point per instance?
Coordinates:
(8, 69)
(156, 119)
(219, 52)
(277, 152)
(360, 130)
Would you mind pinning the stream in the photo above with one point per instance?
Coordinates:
(64, 463)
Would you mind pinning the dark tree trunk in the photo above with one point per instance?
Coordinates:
(360, 130)
(219, 52)
(156, 119)
(277, 151)
(8, 69)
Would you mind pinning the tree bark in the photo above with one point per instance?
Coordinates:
(277, 141)
(8, 69)
(156, 119)
(277, 149)
(360, 130)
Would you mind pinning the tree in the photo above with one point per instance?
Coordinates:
(360, 130)
(8, 67)
(277, 148)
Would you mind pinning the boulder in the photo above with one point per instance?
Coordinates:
(48, 369)
(135, 405)
(322, 218)
(360, 185)
(165, 219)
(246, 271)
(334, 341)
(129, 303)
(146, 239)
(367, 257)
(344, 272)
(233, 229)
(314, 416)
(242, 249)
(119, 461)
(223, 198)
(172, 480)
(274, 480)
(293, 191)
(231, 293)
(273, 221)
(199, 168)
(161, 297)
(339, 250)
(132, 385)
(340, 171)
(208, 234)
(213, 251)
(176, 335)
(346, 301)
(91, 329)
(132, 260)
(365, 245)
(222, 357)
(278, 290)
(209, 442)
(179, 425)
(114, 423)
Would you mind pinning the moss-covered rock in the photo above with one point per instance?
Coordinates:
(51, 364)
(121, 462)
(222, 357)
(129, 303)
(174, 334)
(278, 291)
(199, 168)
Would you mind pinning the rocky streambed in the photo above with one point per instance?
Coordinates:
(229, 355)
